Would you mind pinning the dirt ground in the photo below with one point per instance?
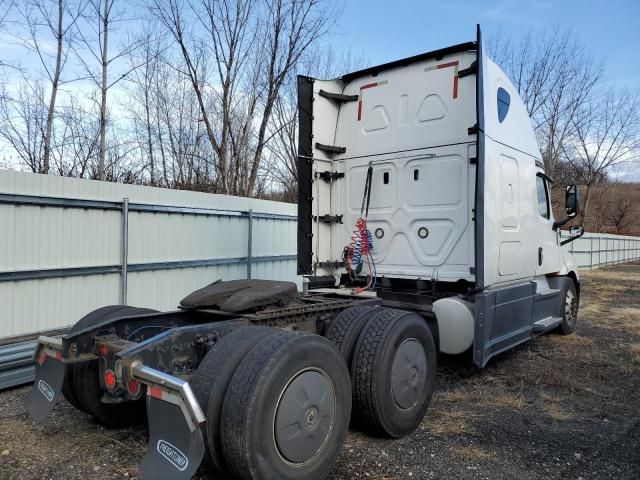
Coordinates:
(556, 407)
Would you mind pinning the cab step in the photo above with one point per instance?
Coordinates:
(546, 324)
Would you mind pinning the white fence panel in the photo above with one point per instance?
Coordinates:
(594, 250)
(63, 243)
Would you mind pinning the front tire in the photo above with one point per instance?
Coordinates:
(287, 408)
(570, 312)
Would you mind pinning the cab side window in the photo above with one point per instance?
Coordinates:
(543, 198)
(504, 100)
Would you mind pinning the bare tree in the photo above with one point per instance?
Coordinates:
(77, 147)
(100, 20)
(607, 133)
(44, 20)
(555, 76)
(601, 206)
(237, 55)
(22, 123)
(281, 167)
(621, 215)
(142, 95)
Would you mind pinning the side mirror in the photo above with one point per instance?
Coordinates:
(576, 231)
(572, 200)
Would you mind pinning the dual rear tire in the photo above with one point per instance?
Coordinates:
(278, 407)
(392, 359)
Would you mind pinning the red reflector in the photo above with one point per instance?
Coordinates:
(42, 358)
(59, 356)
(110, 379)
(104, 351)
(133, 386)
(155, 392)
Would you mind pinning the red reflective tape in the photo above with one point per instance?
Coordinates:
(447, 65)
(455, 86)
(359, 109)
(155, 392)
(369, 85)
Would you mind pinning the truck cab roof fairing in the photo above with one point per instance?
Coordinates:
(461, 47)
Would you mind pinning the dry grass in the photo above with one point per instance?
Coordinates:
(557, 412)
(456, 396)
(601, 310)
(487, 391)
(630, 319)
(449, 423)
(568, 341)
(553, 408)
(504, 399)
(474, 453)
(612, 318)
(635, 352)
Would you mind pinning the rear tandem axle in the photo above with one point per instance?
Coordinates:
(260, 389)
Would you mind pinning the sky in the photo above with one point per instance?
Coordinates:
(384, 30)
(380, 31)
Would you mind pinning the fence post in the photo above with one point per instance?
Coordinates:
(249, 243)
(124, 250)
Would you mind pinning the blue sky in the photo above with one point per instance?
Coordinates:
(388, 30)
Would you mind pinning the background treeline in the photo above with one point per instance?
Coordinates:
(200, 95)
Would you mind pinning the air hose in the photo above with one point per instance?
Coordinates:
(359, 249)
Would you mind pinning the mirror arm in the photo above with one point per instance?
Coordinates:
(557, 224)
(571, 239)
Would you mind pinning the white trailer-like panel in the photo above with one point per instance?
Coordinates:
(411, 124)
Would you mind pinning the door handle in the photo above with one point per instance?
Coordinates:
(540, 255)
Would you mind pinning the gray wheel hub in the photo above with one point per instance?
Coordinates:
(304, 416)
(409, 374)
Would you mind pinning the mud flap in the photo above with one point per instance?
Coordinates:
(47, 385)
(176, 446)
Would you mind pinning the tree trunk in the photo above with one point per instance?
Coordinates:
(54, 92)
(103, 88)
(585, 208)
(147, 107)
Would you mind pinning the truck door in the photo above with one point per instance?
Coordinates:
(547, 247)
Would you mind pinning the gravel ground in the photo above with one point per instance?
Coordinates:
(556, 407)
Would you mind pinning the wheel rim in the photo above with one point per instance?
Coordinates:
(570, 308)
(304, 416)
(408, 374)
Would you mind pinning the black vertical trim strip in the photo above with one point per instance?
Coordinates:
(480, 166)
(305, 174)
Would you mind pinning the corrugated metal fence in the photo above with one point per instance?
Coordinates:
(69, 246)
(594, 250)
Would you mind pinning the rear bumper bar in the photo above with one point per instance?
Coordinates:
(170, 389)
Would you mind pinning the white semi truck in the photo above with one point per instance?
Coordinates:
(425, 226)
(459, 204)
